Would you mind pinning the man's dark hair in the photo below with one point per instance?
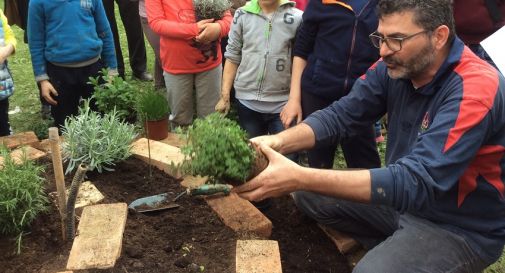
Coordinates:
(429, 14)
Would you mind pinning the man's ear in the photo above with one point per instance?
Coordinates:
(441, 36)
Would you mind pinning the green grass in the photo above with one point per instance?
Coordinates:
(26, 98)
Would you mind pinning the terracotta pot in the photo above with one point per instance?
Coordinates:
(156, 129)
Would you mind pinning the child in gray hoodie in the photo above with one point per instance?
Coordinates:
(258, 63)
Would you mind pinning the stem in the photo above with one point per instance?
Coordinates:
(148, 147)
(72, 197)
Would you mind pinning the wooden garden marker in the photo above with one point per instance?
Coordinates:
(54, 139)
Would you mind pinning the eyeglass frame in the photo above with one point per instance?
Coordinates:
(399, 39)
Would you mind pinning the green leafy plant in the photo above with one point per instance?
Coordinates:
(41, 128)
(218, 148)
(22, 195)
(210, 9)
(95, 140)
(114, 93)
(152, 105)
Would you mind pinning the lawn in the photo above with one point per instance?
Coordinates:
(25, 103)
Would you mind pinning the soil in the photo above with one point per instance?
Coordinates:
(189, 238)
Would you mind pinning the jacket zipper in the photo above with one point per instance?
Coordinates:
(262, 78)
(349, 61)
(353, 43)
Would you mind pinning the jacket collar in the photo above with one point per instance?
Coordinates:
(254, 7)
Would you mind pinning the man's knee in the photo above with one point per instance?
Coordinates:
(321, 208)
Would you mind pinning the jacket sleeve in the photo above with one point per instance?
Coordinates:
(8, 33)
(350, 115)
(441, 157)
(105, 33)
(168, 27)
(36, 39)
(225, 23)
(306, 36)
(235, 39)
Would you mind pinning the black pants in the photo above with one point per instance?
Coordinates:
(71, 85)
(359, 151)
(4, 118)
(129, 12)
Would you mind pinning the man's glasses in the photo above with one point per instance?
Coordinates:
(393, 43)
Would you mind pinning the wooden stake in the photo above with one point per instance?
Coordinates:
(54, 139)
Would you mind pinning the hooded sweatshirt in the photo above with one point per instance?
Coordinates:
(262, 47)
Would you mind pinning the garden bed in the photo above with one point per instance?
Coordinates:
(186, 239)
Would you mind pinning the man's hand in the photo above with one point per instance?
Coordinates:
(223, 106)
(47, 90)
(291, 111)
(272, 141)
(279, 178)
(209, 34)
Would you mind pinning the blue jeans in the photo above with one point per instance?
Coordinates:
(397, 242)
(258, 124)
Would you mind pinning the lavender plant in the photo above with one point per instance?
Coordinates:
(95, 140)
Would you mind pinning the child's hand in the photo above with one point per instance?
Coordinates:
(223, 106)
(5, 52)
(47, 90)
(209, 34)
(202, 24)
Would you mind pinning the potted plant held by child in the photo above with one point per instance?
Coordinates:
(153, 109)
(218, 148)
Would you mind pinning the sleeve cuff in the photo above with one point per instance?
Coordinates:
(42, 77)
(316, 126)
(236, 59)
(382, 186)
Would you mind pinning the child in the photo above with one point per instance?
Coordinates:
(331, 51)
(258, 63)
(190, 55)
(69, 42)
(7, 48)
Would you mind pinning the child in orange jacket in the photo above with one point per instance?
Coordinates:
(191, 56)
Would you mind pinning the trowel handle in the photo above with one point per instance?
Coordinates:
(209, 189)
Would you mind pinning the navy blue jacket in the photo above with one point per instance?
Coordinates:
(445, 148)
(333, 38)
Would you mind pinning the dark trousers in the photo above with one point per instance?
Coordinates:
(129, 12)
(71, 85)
(359, 151)
(257, 124)
(154, 40)
(5, 128)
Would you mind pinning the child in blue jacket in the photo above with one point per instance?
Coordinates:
(69, 41)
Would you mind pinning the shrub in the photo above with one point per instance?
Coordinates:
(218, 148)
(22, 195)
(152, 105)
(95, 140)
(210, 9)
(114, 93)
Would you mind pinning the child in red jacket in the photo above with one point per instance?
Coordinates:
(190, 53)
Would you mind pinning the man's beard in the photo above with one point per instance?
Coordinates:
(412, 67)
